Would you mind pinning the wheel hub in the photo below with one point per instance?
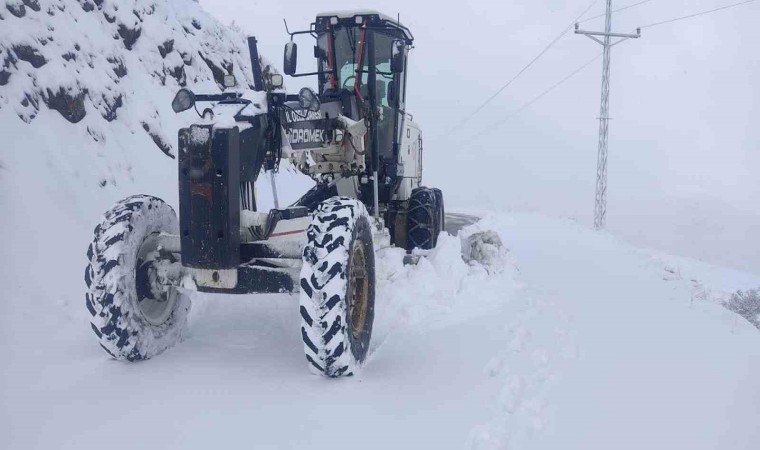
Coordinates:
(358, 285)
(156, 294)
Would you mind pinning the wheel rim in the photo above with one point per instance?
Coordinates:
(358, 284)
(155, 297)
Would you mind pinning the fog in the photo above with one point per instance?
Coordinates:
(684, 140)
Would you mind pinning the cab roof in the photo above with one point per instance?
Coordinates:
(374, 18)
(350, 13)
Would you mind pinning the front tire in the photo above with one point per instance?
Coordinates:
(134, 316)
(337, 299)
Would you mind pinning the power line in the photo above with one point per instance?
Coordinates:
(616, 10)
(564, 32)
(698, 14)
(528, 104)
(579, 69)
(551, 44)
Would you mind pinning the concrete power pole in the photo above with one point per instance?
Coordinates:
(600, 209)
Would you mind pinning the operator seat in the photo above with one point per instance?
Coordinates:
(385, 124)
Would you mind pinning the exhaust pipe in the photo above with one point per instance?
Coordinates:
(253, 51)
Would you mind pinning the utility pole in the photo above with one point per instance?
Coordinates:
(600, 209)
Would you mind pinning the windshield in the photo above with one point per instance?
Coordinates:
(346, 49)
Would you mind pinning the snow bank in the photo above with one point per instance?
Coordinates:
(440, 288)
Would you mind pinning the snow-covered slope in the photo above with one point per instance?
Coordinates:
(86, 89)
(104, 59)
(84, 92)
(86, 119)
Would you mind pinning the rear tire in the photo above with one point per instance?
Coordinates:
(133, 317)
(337, 299)
(422, 219)
(441, 212)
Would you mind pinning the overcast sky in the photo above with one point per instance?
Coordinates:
(684, 100)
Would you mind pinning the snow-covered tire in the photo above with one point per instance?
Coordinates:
(422, 219)
(337, 299)
(129, 321)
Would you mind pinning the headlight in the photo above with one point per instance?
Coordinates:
(308, 100)
(276, 80)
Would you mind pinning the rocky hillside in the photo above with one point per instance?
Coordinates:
(95, 62)
(86, 120)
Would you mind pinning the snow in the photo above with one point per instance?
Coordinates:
(484, 247)
(199, 135)
(579, 341)
(631, 359)
(582, 342)
(90, 65)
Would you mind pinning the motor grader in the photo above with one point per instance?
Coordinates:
(352, 135)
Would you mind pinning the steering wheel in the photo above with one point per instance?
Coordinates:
(345, 82)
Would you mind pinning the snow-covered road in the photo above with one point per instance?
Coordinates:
(587, 343)
(618, 353)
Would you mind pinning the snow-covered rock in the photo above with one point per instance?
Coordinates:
(100, 61)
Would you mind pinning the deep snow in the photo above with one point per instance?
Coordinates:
(579, 341)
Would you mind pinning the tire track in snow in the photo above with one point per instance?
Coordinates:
(539, 343)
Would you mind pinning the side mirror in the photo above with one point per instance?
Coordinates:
(291, 56)
(184, 100)
(229, 81)
(397, 56)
